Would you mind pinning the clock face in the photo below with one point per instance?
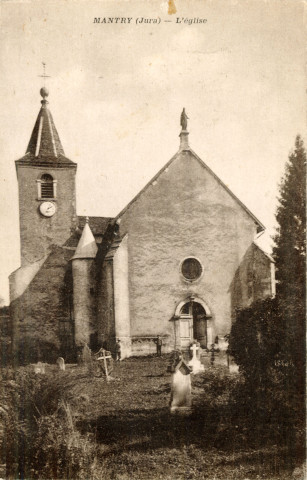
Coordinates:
(47, 209)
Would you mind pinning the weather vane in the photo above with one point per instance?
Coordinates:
(44, 76)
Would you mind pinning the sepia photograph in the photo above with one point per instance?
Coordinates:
(153, 240)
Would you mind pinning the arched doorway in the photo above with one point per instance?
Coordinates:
(194, 322)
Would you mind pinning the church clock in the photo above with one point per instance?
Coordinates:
(47, 209)
(47, 192)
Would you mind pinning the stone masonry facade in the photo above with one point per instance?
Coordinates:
(92, 281)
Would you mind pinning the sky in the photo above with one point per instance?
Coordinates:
(117, 91)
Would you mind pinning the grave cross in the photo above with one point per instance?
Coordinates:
(194, 349)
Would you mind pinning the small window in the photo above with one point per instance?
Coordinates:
(185, 309)
(46, 187)
(191, 269)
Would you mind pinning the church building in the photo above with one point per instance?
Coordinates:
(177, 261)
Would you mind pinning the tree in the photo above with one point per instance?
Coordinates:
(268, 338)
(290, 258)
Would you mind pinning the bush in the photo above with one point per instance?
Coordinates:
(41, 440)
(59, 450)
(272, 402)
(220, 407)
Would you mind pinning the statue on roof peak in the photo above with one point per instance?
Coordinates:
(184, 120)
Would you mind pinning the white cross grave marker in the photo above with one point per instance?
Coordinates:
(194, 349)
(195, 362)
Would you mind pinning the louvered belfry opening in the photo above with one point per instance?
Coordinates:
(47, 188)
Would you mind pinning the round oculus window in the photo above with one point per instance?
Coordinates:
(191, 269)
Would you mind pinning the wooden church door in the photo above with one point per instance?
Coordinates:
(193, 324)
(186, 325)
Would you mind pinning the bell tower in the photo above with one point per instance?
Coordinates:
(46, 186)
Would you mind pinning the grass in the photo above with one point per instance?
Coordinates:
(136, 438)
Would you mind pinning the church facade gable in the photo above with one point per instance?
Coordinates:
(184, 213)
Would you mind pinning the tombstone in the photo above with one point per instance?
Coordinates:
(61, 363)
(180, 386)
(39, 368)
(86, 354)
(195, 362)
(87, 358)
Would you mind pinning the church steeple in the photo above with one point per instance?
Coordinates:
(47, 191)
(45, 141)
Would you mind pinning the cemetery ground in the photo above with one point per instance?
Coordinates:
(87, 428)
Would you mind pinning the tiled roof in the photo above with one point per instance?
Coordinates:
(87, 247)
(264, 252)
(45, 141)
(59, 161)
(45, 146)
(98, 225)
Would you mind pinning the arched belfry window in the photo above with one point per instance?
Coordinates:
(46, 186)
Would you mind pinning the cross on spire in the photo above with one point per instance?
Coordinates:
(44, 76)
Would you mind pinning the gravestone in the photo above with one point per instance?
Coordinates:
(87, 358)
(39, 368)
(86, 354)
(195, 362)
(61, 363)
(180, 386)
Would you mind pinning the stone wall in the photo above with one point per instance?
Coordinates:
(253, 280)
(38, 233)
(84, 300)
(105, 306)
(113, 299)
(41, 289)
(184, 212)
(121, 297)
(42, 315)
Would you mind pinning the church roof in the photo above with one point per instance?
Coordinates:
(114, 246)
(184, 146)
(98, 224)
(264, 252)
(87, 247)
(45, 146)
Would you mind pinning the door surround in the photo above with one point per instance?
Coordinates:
(178, 317)
(191, 298)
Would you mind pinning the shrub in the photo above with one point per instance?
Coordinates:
(220, 408)
(272, 402)
(59, 450)
(41, 440)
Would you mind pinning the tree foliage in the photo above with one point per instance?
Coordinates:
(290, 240)
(290, 258)
(254, 340)
(268, 338)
